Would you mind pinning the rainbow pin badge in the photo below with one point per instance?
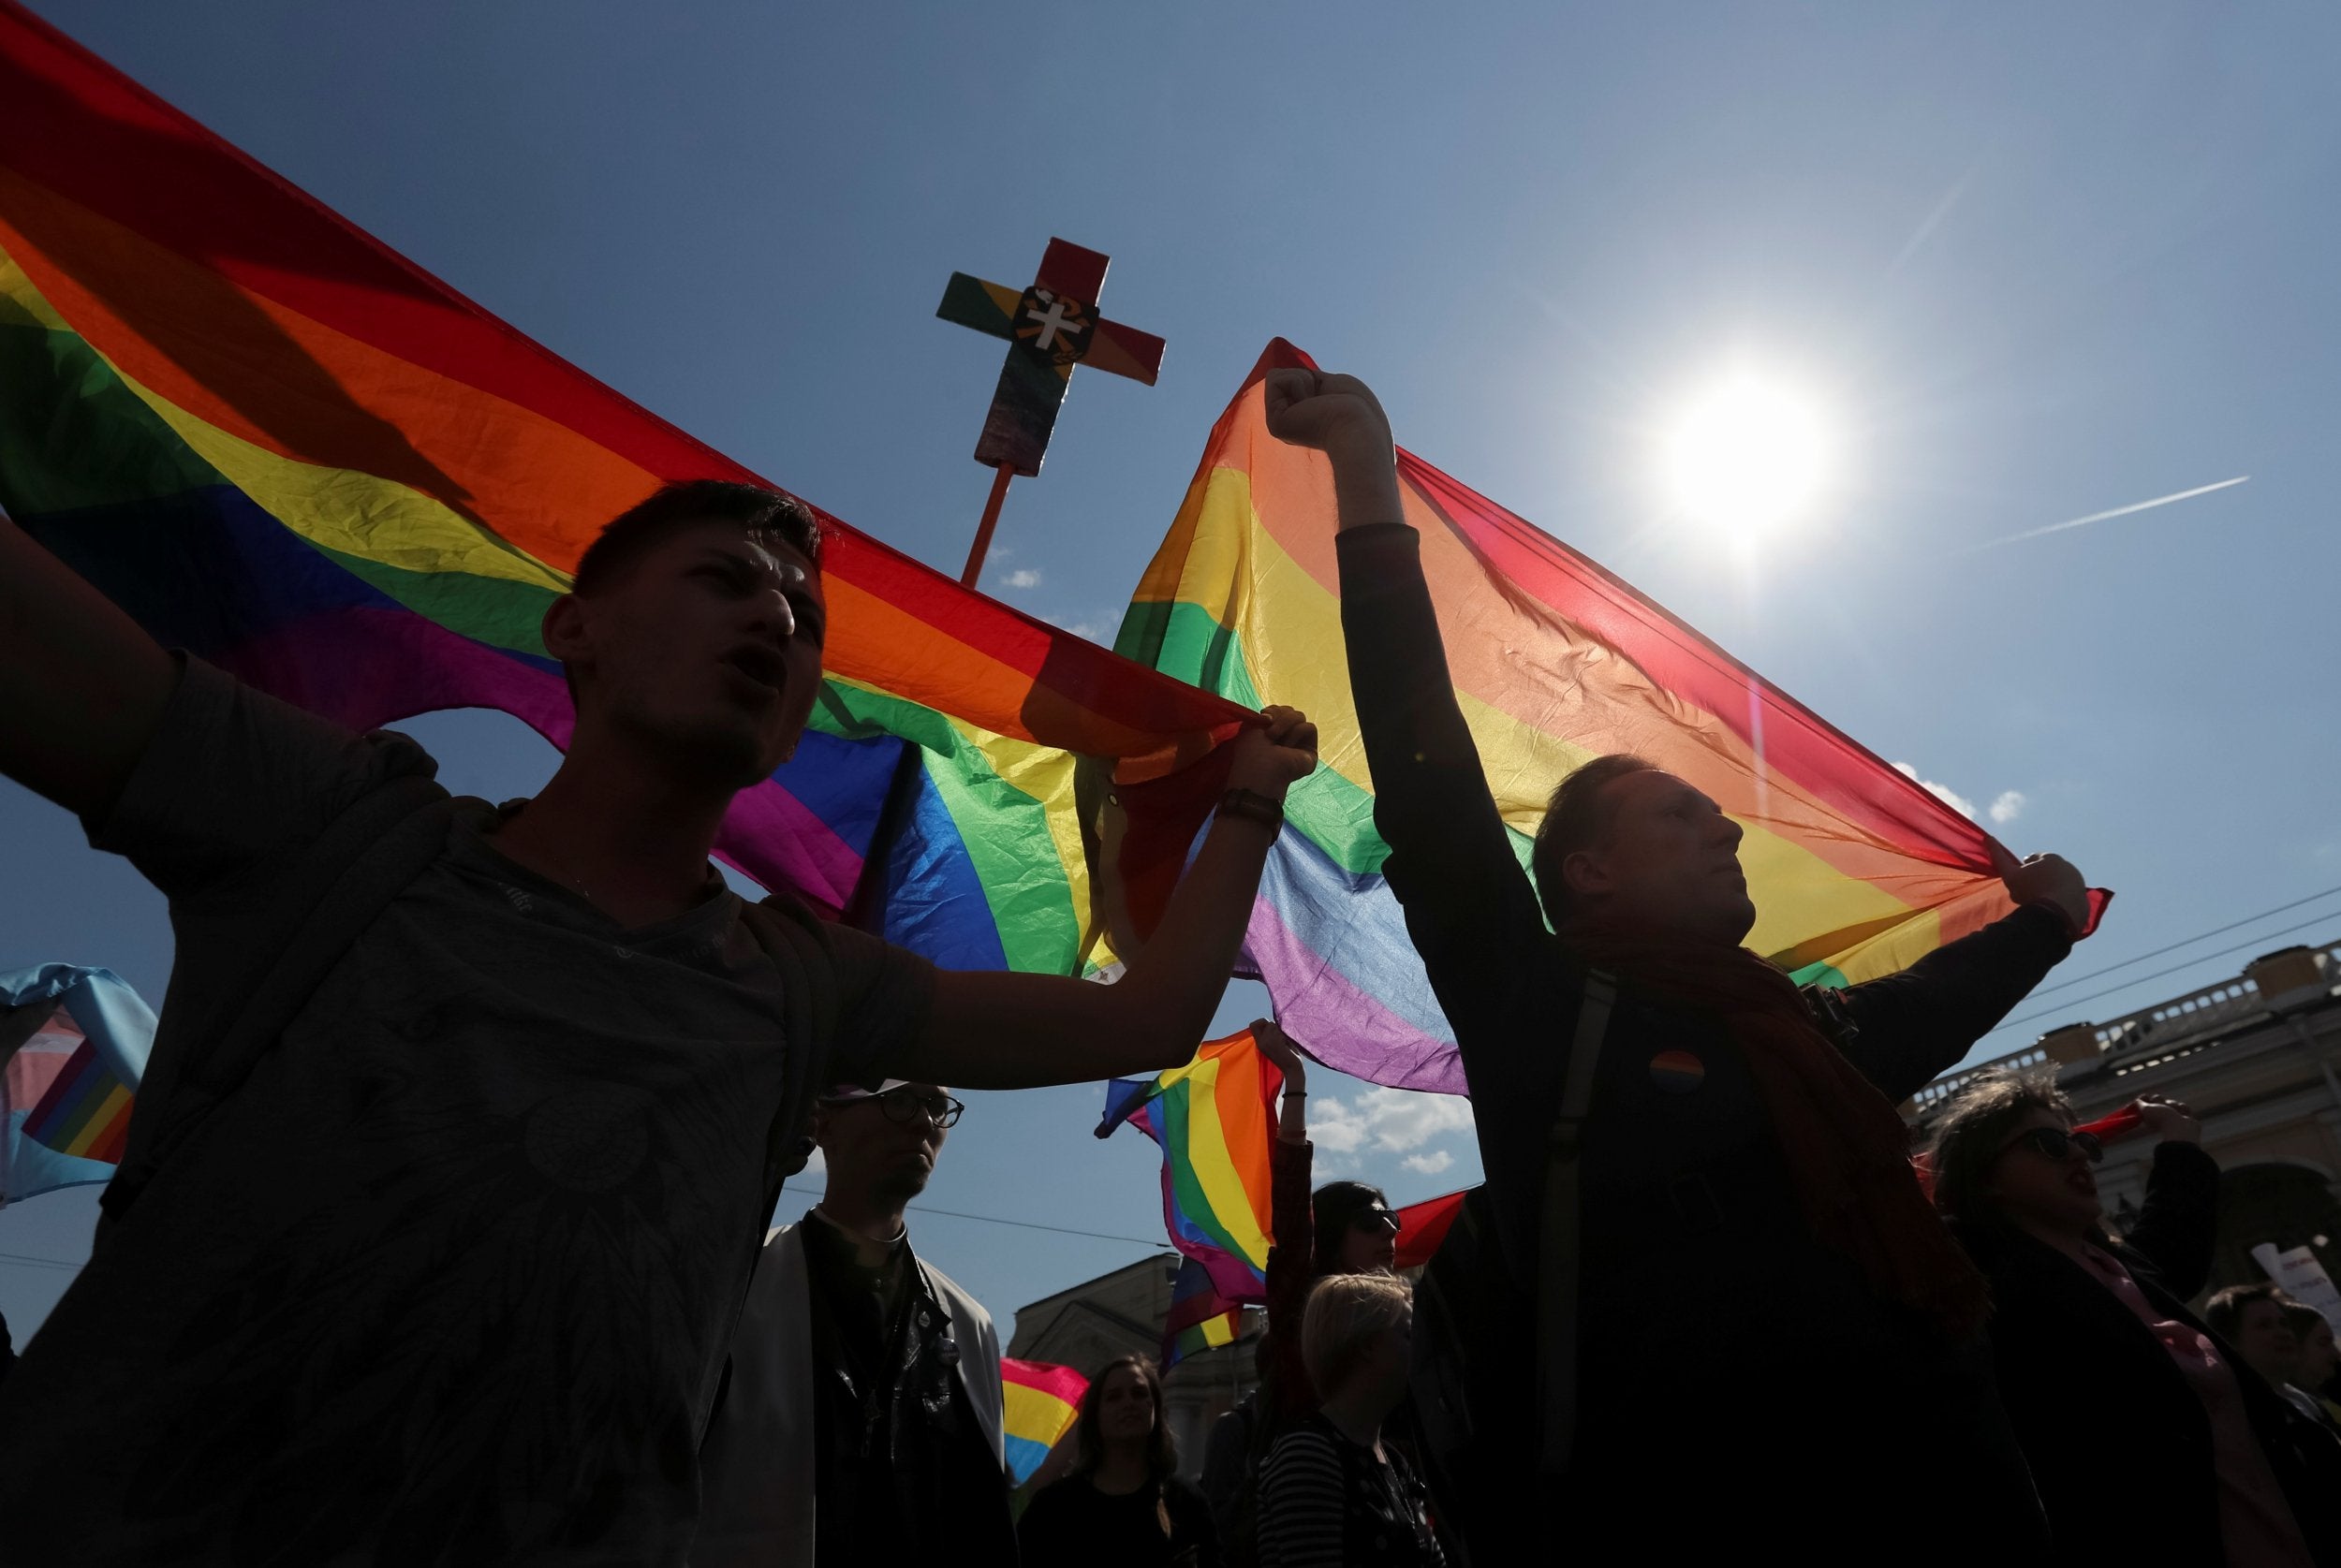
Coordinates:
(1677, 1072)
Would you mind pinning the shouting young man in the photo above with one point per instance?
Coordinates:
(1776, 1342)
(464, 1121)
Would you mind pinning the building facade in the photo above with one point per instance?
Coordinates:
(1122, 1313)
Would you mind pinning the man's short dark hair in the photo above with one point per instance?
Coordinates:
(1576, 817)
(2225, 1311)
(685, 503)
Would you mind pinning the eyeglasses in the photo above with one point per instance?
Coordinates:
(2055, 1143)
(904, 1103)
(1374, 1219)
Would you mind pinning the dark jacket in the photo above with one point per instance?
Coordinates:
(1732, 1373)
(2118, 1440)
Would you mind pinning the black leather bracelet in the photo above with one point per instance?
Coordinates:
(1252, 806)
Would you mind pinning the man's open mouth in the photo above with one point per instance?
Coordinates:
(760, 664)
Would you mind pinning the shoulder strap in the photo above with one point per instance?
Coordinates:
(1557, 1254)
(366, 858)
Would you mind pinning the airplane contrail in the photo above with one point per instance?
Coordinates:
(2116, 512)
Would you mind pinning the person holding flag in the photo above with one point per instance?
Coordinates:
(1717, 1311)
(519, 1084)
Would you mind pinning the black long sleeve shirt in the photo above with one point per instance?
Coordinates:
(1709, 1319)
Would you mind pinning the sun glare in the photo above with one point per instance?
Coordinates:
(1747, 455)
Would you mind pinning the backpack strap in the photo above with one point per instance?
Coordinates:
(347, 877)
(1557, 1258)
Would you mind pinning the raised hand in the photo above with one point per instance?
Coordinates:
(1270, 759)
(2169, 1120)
(1338, 414)
(1275, 1045)
(2050, 879)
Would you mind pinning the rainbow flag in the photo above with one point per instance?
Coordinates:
(288, 449)
(1857, 870)
(1200, 1317)
(1042, 1400)
(1213, 1118)
(73, 1045)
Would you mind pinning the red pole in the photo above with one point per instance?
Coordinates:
(974, 569)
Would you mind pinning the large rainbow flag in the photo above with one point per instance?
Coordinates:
(1042, 1402)
(73, 1046)
(1857, 870)
(288, 449)
(1213, 1118)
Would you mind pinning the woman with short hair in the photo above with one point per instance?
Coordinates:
(1331, 1491)
(2150, 1440)
(1123, 1502)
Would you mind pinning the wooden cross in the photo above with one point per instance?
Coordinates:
(1049, 328)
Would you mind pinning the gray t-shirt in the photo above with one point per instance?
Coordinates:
(450, 1278)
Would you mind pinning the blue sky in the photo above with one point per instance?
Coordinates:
(2031, 264)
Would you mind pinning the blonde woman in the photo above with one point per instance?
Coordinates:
(1331, 1491)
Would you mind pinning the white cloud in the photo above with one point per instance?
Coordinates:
(817, 1164)
(1956, 802)
(2007, 806)
(1392, 1121)
(1429, 1165)
(1022, 576)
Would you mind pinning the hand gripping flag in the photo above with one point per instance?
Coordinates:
(1856, 870)
(283, 447)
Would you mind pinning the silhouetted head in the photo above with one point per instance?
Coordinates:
(1355, 1228)
(694, 627)
(1621, 839)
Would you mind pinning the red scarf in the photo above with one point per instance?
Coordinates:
(1847, 1148)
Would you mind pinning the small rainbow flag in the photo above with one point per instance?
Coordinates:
(1042, 1400)
(283, 447)
(1856, 870)
(1213, 1118)
(1200, 1317)
(81, 1042)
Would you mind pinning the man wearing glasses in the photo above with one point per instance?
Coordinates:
(861, 1421)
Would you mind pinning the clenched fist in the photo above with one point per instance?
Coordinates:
(1340, 417)
(1270, 759)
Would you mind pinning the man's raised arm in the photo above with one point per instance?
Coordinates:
(995, 1030)
(1452, 862)
(81, 684)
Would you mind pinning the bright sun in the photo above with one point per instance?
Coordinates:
(1747, 455)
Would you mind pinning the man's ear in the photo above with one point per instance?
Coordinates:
(820, 1128)
(565, 629)
(1585, 873)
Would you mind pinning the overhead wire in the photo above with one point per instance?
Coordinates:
(2186, 941)
(2157, 975)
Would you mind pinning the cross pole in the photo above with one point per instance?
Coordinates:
(1049, 328)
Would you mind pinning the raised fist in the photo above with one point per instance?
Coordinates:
(1338, 414)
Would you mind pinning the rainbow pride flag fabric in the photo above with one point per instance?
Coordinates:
(1213, 1118)
(1856, 870)
(286, 448)
(1200, 1318)
(73, 1046)
(1042, 1402)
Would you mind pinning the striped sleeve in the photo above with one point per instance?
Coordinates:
(1303, 1503)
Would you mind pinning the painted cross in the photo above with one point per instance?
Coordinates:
(1050, 327)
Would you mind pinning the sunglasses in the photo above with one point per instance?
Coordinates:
(903, 1104)
(1374, 1219)
(2055, 1143)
